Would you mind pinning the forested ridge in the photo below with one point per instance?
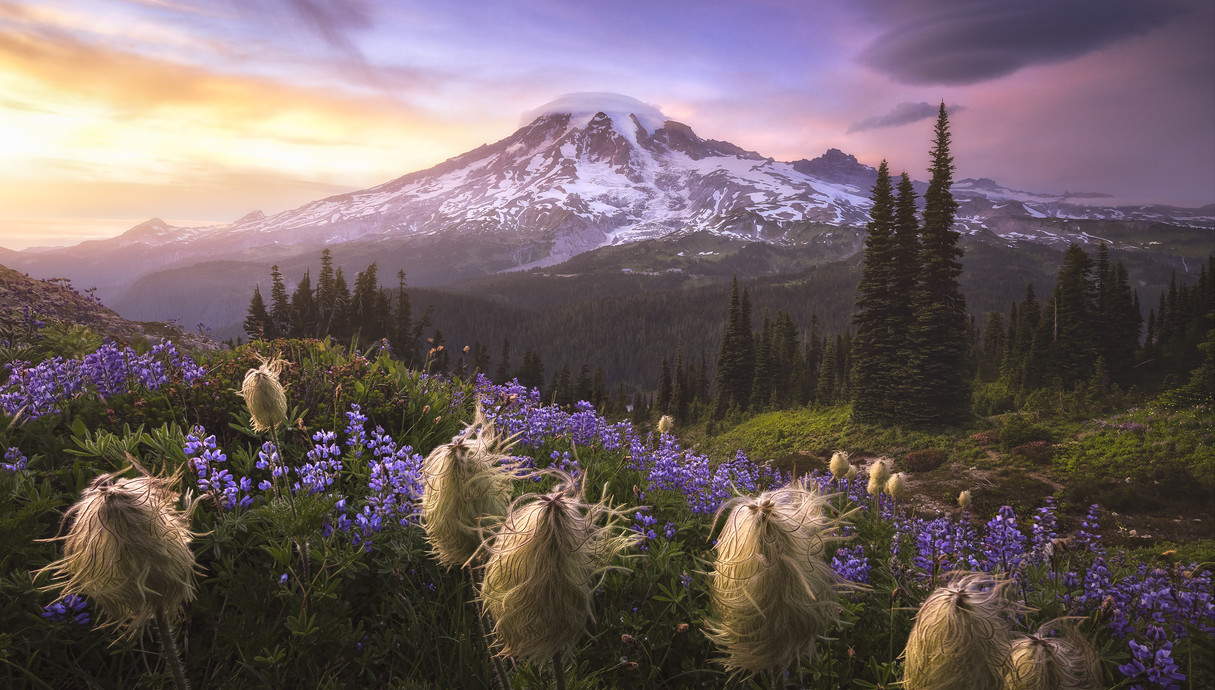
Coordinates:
(921, 328)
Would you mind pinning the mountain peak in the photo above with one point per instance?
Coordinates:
(840, 167)
(582, 107)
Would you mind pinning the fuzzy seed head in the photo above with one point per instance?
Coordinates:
(879, 473)
(852, 473)
(961, 638)
(544, 564)
(772, 591)
(264, 395)
(665, 424)
(964, 500)
(839, 464)
(896, 486)
(1040, 661)
(465, 492)
(128, 550)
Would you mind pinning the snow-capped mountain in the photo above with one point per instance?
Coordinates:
(584, 172)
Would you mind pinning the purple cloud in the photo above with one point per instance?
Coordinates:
(954, 43)
(901, 114)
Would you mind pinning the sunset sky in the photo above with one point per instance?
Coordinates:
(113, 112)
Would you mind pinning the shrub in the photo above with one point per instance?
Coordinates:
(924, 460)
(986, 438)
(1037, 452)
(1018, 430)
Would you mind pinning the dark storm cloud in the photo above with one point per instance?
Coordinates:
(952, 43)
(901, 114)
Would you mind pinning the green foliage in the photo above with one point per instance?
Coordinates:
(284, 601)
(1018, 429)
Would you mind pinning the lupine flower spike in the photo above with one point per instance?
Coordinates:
(772, 591)
(544, 564)
(839, 464)
(264, 395)
(961, 638)
(879, 473)
(1042, 661)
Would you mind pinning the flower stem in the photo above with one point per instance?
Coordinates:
(169, 651)
(559, 671)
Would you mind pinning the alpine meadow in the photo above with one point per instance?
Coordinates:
(880, 355)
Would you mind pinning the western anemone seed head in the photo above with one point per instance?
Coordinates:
(772, 591)
(466, 490)
(128, 550)
(665, 424)
(879, 472)
(839, 464)
(964, 500)
(264, 395)
(852, 473)
(960, 639)
(896, 486)
(543, 566)
(1040, 661)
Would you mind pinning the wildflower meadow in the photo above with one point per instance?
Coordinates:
(320, 561)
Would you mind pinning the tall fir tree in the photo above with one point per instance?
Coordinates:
(1072, 312)
(280, 304)
(939, 390)
(736, 357)
(876, 345)
(326, 294)
(303, 309)
(341, 325)
(401, 336)
(664, 388)
(502, 373)
(258, 320)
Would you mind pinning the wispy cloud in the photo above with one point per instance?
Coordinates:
(901, 114)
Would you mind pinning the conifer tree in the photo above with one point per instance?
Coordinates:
(502, 373)
(401, 336)
(679, 391)
(257, 324)
(735, 359)
(303, 309)
(1072, 310)
(340, 322)
(326, 295)
(531, 370)
(599, 394)
(828, 378)
(877, 346)
(582, 384)
(664, 388)
(761, 385)
(939, 390)
(280, 303)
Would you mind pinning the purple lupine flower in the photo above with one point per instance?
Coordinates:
(852, 564)
(356, 431)
(69, 607)
(1004, 545)
(14, 460)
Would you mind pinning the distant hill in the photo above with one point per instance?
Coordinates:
(54, 300)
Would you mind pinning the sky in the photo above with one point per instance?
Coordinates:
(200, 111)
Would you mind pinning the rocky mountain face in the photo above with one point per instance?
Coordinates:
(564, 184)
